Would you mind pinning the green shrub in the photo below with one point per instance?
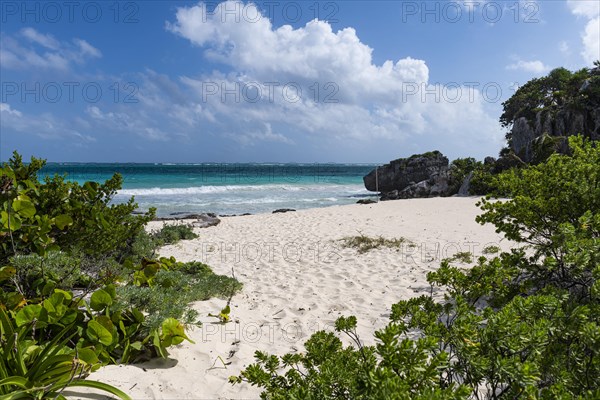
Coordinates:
(459, 170)
(491, 249)
(483, 182)
(59, 214)
(56, 268)
(33, 370)
(58, 236)
(173, 289)
(170, 234)
(462, 256)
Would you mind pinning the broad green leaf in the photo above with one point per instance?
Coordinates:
(62, 221)
(23, 207)
(100, 300)
(7, 272)
(12, 222)
(88, 355)
(98, 334)
(173, 332)
(28, 313)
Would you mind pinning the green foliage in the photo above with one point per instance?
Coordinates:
(483, 178)
(483, 181)
(170, 234)
(549, 202)
(172, 288)
(223, 315)
(63, 248)
(492, 249)
(524, 324)
(554, 89)
(39, 217)
(459, 170)
(34, 369)
(462, 256)
(560, 89)
(365, 243)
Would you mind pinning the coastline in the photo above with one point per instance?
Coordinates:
(298, 279)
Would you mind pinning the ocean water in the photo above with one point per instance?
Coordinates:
(226, 188)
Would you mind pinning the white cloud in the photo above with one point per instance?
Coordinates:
(589, 10)
(372, 102)
(43, 51)
(591, 41)
(5, 107)
(585, 8)
(536, 66)
(125, 122)
(47, 41)
(44, 125)
(563, 46)
(264, 135)
(86, 49)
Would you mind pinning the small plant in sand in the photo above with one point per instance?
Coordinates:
(363, 243)
(491, 249)
(463, 257)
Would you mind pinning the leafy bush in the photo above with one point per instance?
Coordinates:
(483, 182)
(170, 234)
(462, 256)
(63, 248)
(63, 214)
(171, 290)
(551, 202)
(29, 369)
(483, 178)
(524, 324)
(492, 249)
(459, 170)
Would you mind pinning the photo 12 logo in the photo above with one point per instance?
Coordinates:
(276, 11)
(470, 11)
(69, 92)
(27, 12)
(255, 92)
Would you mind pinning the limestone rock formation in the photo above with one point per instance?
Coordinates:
(421, 175)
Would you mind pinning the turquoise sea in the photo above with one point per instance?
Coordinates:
(227, 188)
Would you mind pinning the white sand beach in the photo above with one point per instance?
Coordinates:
(298, 279)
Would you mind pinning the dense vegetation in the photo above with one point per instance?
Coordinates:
(523, 324)
(80, 284)
(560, 89)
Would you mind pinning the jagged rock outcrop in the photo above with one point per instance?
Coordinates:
(556, 123)
(204, 220)
(421, 175)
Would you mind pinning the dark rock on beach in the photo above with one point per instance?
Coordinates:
(283, 210)
(366, 201)
(204, 220)
(421, 175)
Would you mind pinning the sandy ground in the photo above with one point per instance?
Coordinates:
(298, 279)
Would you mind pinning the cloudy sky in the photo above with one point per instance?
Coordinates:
(275, 81)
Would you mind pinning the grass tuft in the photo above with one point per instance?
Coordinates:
(364, 243)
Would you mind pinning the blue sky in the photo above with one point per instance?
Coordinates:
(275, 81)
